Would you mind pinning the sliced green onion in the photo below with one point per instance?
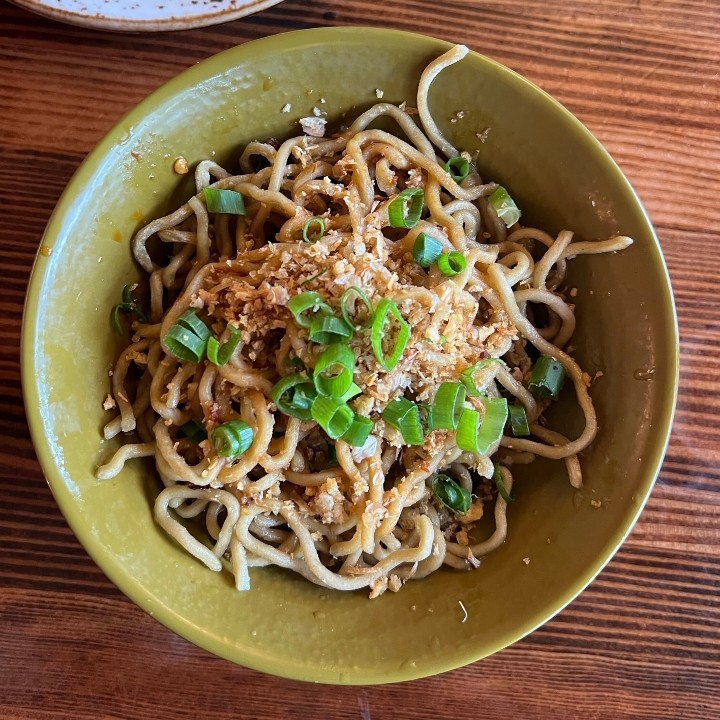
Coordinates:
(466, 436)
(346, 300)
(314, 277)
(219, 355)
(332, 455)
(232, 438)
(293, 395)
(308, 227)
(305, 306)
(405, 210)
(194, 430)
(333, 416)
(128, 305)
(493, 423)
(354, 391)
(328, 329)
(358, 432)
(224, 201)
(458, 168)
(546, 378)
(385, 312)
(448, 406)
(187, 338)
(518, 420)
(115, 318)
(333, 374)
(451, 263)
(450, 494)
(467, 376)
(295, 362)
(302, 399)
(504, 206)
(127, 298)
(212, 350)
(500, 485)
(184, 344)
(478, 435)
(192, 322)
(426, 250)
(405, 416)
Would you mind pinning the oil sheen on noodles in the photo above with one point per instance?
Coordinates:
(358, 511)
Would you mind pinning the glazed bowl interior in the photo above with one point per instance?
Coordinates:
(557, 541)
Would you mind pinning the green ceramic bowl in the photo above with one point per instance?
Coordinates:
(560, 176)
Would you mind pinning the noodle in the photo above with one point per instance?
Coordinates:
(345, 514)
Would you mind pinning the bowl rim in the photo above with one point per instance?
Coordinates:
(120, 577)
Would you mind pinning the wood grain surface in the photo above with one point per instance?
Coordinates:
(644, 640)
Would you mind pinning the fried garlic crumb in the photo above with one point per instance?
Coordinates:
(378, 587)
(313, 126)
(180, 166)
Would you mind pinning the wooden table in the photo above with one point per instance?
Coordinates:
(644, 640)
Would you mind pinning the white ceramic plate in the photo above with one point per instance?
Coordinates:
(145, 15)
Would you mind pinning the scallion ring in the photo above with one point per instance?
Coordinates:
(547, 378)
(352, 392)
(457, 167)
(450, 494)
(115, 318)
(305, 306)
(333, 374)
(387, 313)
(128, 305)
(466, 435)
(192, 322)
(358, 432)
(518, 420)
(232, 438)
(333, 416)
(293, 395)
(504, 206)
(404, 415)
(224, 201)
(347, 301)
(493, 423)
(127, 299)
(219, 354)
(194, 431)
(451, 263)
(467, 377)
(500, 485)
(426, 250)
(328, 329)
(405, 210)
(184, 345)
(447, 407)
(307, 228)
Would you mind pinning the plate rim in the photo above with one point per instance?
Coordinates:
(98, 21)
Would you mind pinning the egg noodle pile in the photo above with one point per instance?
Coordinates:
(346, 350)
